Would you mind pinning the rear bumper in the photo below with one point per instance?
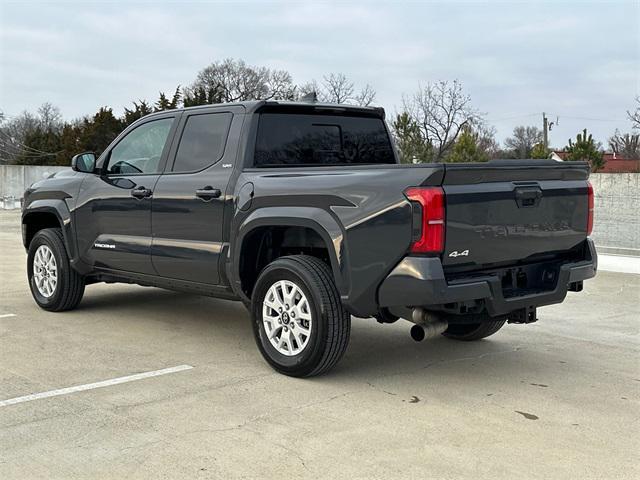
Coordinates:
(420, 281)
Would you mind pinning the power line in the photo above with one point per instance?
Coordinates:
(28, 155)
(593, 119)
(13, 150)
(514, 117)
(572, 117)
(25, 153)
(15, 144)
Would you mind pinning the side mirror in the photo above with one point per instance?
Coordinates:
(84, 162)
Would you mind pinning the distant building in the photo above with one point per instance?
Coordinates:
(614, 163)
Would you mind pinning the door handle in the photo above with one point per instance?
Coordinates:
(208, 193)
(141, 192)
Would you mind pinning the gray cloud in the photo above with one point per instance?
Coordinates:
(515, 59)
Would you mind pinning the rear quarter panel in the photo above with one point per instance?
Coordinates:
(361, 210)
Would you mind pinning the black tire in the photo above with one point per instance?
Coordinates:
(476, 327)
(70, 285)
(330, 326)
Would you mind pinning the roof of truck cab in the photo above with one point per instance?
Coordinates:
(253, 106)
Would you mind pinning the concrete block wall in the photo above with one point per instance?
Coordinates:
(15, 179)
(617, 210)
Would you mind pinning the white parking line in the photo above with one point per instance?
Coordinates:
(6, 315)
(91, 386)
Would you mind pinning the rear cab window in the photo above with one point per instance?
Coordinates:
(305, 139)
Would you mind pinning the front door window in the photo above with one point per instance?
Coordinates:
(140, 151)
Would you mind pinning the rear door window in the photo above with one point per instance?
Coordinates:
(202, 142)
(290, 139)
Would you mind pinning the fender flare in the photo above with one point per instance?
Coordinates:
(317, 219)
(61, 211)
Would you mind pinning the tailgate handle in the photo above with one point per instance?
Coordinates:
(528, 196)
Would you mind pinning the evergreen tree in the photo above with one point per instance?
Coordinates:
(540, 151)
(410, 142)
(164, 103)
(139, 110)
(69, 142)
(40, 147)
(586, 149)
(99, 131)
(201, 96)
(466, 149)
(175, 100)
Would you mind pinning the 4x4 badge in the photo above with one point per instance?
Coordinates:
(455, 253)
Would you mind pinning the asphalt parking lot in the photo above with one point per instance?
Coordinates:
(556, 399)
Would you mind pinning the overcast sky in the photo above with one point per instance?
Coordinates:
(577, 61)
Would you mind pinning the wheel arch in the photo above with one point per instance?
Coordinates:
(319, 226)
(43, 214)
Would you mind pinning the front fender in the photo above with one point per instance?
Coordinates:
(317, 219)
(58, 207)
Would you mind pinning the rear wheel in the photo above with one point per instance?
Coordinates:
(55, 286)
(479, 326)
(299, 323)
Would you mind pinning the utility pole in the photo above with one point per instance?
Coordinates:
(545, 129)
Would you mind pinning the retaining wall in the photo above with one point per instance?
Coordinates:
(14, 180)
(617, 210)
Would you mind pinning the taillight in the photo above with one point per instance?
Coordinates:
(429, 238)
(590, 204)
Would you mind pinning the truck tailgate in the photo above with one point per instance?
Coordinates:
(512, 211)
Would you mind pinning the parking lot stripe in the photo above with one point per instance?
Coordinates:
(5, 315)
(91, 386)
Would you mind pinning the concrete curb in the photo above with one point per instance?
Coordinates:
(629, 252)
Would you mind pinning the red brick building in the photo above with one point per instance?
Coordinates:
(614, 164)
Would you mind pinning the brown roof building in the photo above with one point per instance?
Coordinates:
(614, 163)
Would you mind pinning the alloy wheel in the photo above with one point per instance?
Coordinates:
(287, 318)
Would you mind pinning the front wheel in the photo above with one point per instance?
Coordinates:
(299, 323)
(55, 286)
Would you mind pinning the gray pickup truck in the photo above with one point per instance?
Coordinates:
(303, 212)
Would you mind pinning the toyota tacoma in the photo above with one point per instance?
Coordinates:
(303, 211)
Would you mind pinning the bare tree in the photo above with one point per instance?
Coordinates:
(635, 115)
(233, 81)
(337, 88)
(366, 96)
(442, 110)
(49, 117)
(625, 145)
(280, 85)
(485, 138)
(523, 140)
(14, 131)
